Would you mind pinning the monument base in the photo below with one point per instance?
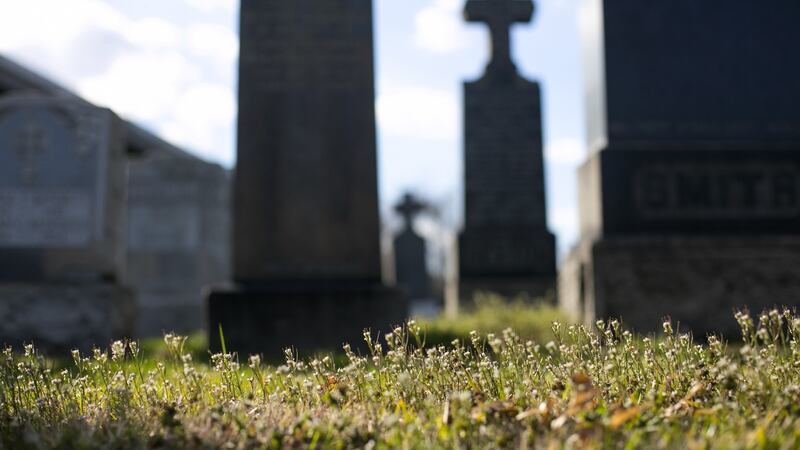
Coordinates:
(699, 282)
(511, 261)
(183, 318)
(268, 319)
(58, 318)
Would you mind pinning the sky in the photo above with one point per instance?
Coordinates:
(170, 66)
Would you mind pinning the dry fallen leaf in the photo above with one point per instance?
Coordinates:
(622, 416)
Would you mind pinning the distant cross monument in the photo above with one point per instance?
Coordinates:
(499, 15)
(411, 269)
(31, 143)
(505, 246)
(409, 208)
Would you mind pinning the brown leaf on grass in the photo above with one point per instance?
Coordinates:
(623, 416)
(685, 405)
(696, 389)
(543, 412)
(500, 408)
(583, 395)
(581, 401)
(581, 379)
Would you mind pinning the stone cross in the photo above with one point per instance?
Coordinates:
(409, 208)
(499, 15)
(30, 146)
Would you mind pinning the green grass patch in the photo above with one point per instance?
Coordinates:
(577, 388)
(493, 314)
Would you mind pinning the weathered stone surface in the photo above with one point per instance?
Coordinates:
(699, 282)
(306, 183)
(62, 317)
(62, 191)
(305, 190)
(179, 240)
(505, 236)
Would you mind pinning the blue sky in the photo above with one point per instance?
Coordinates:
(171, 66)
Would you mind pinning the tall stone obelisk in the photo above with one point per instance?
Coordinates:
(505, 246)
(306, 226)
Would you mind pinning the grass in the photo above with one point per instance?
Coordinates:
(581, 388)
(493, 314)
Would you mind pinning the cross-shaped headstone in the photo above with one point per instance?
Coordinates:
(409, 208)
(30, 146)
(499, 15)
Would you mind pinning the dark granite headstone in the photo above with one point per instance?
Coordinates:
(306, 231)
(505, 246)
(410, 255)
(693, 184)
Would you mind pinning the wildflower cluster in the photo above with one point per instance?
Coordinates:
(585, 388)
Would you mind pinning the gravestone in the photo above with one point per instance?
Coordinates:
(306, 234)
(505, 246)
(178, 237)
(62, 223)
(410, 254)
(690, 198)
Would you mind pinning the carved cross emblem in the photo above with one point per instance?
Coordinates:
(499, 15)
(30, 145)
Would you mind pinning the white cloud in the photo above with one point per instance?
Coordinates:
(45, 31)
(438, 28)
(570, 151)
(212, 5)
(418, 112)
(152, 32)
(203, 117)
(172, 76)
(141, 85)
(213, 41)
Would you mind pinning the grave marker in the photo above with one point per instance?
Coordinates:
(62, 223)
(505, 246)
(689, 199)
(306, 231)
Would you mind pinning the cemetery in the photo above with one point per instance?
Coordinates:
(154, 298)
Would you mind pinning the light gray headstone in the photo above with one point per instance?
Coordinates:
(62, 190)
(63, 203)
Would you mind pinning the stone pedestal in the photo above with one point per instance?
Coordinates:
(514, 262)
(308, 318)
(698, 282)
(60, 317)
(691, 235)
